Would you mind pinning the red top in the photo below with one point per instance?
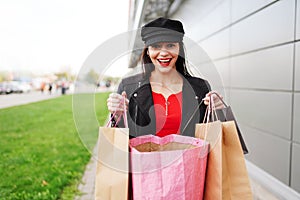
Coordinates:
(167, 113)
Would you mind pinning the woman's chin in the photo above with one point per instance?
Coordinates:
(164, 69)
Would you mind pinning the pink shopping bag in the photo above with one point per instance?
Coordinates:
(172, 167)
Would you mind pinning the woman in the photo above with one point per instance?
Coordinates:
(165, 99)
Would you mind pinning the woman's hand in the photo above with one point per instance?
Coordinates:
(217, 103)
(115, 104)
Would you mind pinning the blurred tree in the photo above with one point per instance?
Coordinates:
(114, 80)
(65, 73)
(92, 77)
(1, 77)
(5, 76)
(62, 75)
(65, 76)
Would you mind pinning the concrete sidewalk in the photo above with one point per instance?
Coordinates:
(87, 184)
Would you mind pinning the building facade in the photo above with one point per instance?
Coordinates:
(255, 47)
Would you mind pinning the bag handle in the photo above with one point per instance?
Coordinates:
(206, 112)
(122, 102)
(211, 109)
(215, 93)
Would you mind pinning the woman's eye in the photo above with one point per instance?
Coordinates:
(155, 46)
(171, 46)
(160, 46)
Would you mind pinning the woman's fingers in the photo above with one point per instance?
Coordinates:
(115, 97)
(126, 100)
(217, 103)
(115, 102)
(206, 100)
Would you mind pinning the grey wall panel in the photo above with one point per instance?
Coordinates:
(270, 26)
(268, 69)
(201, 64)
(217, 74)
(210, 72)
(201, 18)
(297, 66)
(217, 46)
(192, 11)
(272, 154)
(218, 18)
(295, 179)
(241, 8)
(296, 122)
(258, 82)
(268, 112)
(298, 20)
(223, 67)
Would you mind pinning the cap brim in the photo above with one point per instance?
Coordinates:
(163, 38)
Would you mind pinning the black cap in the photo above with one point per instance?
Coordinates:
(162, 30)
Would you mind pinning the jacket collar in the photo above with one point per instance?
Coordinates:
(144, 99)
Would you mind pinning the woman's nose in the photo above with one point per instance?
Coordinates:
(164, 51)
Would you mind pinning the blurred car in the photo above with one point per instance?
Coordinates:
(2, 88)
(5, 88)
(17, 87)
(24, 87)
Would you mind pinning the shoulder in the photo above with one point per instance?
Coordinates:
(130, 83)
(198, 83)
(132, 79)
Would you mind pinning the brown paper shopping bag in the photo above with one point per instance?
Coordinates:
(227, 176)
(112, 163)
(112, 166)
(226, 114)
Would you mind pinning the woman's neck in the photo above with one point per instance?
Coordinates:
(173, 77)
(166, 84)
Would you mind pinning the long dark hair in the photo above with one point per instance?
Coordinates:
(180, 64)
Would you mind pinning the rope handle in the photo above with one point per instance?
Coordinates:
(211, 110)
(123, 101)
(206, 112)
(220, 98)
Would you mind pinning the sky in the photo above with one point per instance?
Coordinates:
(46, 36)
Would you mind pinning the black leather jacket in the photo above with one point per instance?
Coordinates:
(141, 116)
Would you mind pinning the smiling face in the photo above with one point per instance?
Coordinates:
(164, 55)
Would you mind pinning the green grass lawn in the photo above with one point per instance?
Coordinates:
(41, 154)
